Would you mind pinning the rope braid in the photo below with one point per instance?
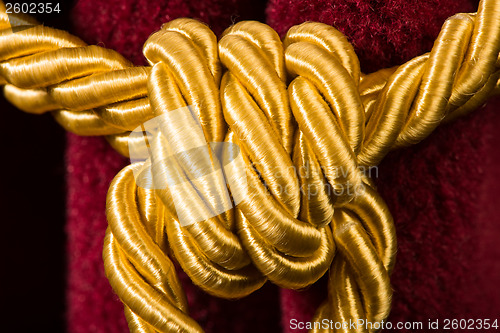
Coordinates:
(306, 121)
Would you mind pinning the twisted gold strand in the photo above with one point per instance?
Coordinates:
(307, 123)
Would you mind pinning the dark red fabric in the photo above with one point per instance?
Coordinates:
(385, 33)
(91, 304)
(443, 192)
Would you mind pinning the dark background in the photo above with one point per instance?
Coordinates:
(32, 202)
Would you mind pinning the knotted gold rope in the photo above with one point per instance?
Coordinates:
(300, 102)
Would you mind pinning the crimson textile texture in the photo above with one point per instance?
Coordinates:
(442, 193)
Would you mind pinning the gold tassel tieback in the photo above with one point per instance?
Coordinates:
(303, 116)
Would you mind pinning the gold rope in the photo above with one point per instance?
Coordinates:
(304, 117)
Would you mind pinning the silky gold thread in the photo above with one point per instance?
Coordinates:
(306, 121)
